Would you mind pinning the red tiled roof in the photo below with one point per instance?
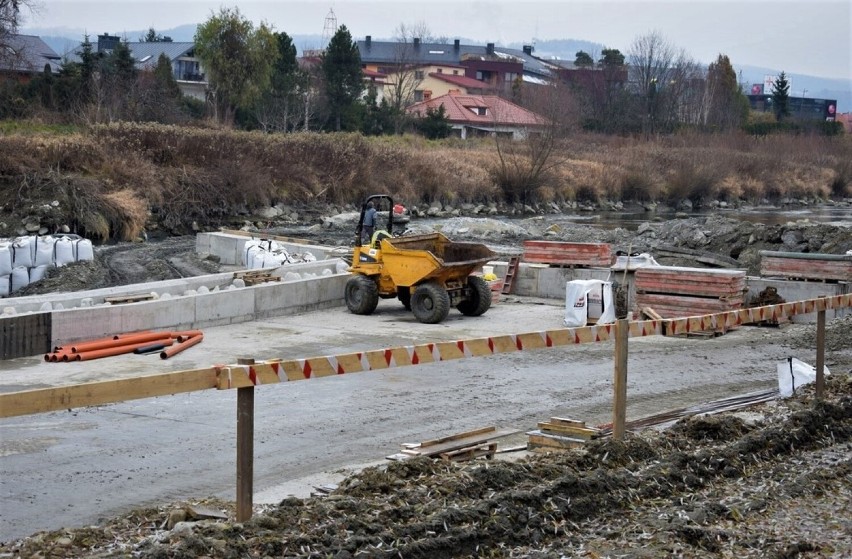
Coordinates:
(372, 74)
(460, 109)
(462, 81)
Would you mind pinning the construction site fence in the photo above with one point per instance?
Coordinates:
(248, 374)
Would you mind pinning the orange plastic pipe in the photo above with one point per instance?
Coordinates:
(110, 351)
(183, 336)
(128, 334)
(91, 346)
(181, 346)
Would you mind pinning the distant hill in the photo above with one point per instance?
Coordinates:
(62, 40)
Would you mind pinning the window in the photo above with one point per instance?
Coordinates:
(418, 95)
(481, 111)
(479, 75)
(440, 70)
(455, 72)
(418, 74)
(511, 76)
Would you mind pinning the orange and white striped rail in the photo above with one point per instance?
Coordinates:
(274, 371)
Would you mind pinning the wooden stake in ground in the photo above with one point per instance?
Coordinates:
(245, 448)
(619, 405)
(820, 354)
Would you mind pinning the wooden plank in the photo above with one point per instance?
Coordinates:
(837, 268)
(619, 398)
(469, 453)
(677, 306)
(437, 449)
(579, 432)
(27, 402)
(119, 299)
(568, 254)
(473, 433)
(539, 440)
(567, 422)
(697, 282)
(651, 313)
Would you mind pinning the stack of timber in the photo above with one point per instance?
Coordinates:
(560, 434)
(135, 298)
(557, 253)
(458, 447)
(806, 266)
(674, 292)
(254, 277)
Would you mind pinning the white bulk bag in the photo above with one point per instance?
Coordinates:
(44, 251)
(37, 273)
(5, 259)
(20, 277)
(64, 251)
(5, 285)
(85, 251)
(794, 374)
(588, 301)
(23, 252)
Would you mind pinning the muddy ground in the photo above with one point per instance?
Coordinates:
(774, 480)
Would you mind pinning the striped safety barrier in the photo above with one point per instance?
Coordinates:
(275, 371)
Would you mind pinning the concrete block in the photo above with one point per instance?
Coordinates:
(73, 325)
(177, 313)
(202, 243)
(792, 290)
(228, 248)
(224, 307)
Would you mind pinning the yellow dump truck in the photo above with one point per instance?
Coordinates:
(428, 273)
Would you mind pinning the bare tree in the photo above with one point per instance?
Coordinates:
(660, 75)
(405, 74)
(525, 163)
(10, 19)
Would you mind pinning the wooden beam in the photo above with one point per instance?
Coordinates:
(245, 449)
(619, 407)
(42, 400)
(820, 354)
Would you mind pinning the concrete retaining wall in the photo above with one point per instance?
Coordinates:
(320, 285)
(230, 248)
(791, 290)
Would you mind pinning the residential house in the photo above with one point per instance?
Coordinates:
(423, 82)
(482, 115)
(497, 67)
(24, 56)
(186, 67)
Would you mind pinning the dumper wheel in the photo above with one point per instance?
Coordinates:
(480, 297)
(362, 295)
(430, 303)
(404, 295)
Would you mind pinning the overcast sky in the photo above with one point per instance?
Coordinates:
(806, 37)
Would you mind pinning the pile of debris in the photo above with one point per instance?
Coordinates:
(768, 482)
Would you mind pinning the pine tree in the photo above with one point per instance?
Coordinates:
(583, 60)
(341, 67)
(781, 97)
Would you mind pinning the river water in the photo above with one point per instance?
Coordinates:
(631, 219)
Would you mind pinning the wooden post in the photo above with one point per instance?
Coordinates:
(619, 404)
(820, 354)
(245, 448)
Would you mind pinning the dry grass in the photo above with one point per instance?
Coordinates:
(185, 174)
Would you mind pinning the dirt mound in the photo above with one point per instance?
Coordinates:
(708, 485)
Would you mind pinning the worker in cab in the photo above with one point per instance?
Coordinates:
(369, 225)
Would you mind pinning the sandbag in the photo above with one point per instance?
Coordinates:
(794, 374)
(5, 285)
(64, 251)
(20, 277)
(37, 273)
(5, 259)
(44, 250)
(23, 252)
(85, 251)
